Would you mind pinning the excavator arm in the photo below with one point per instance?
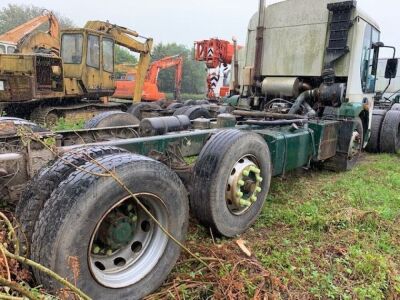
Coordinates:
(165, 63)
(20, 36)
(126, 38)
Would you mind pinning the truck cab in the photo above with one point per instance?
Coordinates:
(88, 61)
(330, 51)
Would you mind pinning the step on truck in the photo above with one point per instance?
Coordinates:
(297, 101)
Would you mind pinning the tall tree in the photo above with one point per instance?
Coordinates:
(123, 56)
(14, 15)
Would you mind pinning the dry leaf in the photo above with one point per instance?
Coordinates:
(242, 246)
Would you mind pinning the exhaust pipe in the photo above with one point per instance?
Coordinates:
(259, 43)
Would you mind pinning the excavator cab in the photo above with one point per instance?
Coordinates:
(88, 60)
(7, 48)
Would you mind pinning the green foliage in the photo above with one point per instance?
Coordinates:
(194, 74)
(186, 96)
(324, 235)
(63, 124)
(124, 56)
(335, 235)
(14, 15)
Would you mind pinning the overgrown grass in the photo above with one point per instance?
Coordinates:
(63, 124)
(187, 96)
(322, 235)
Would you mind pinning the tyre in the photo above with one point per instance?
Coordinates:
(175, 105)
(202, 102)
(39, 189)
(231, 180)
(351, 141)
(181, 110)
(390, 134)
(376, 124)
(138, 110)
(196, 112)
(396, 107)
(190, 102)
(112, 119)
(122, 253)
(161, 103)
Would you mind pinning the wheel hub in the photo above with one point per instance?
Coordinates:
(126, 243)
(244, 186)
(121, 232)
(355, 144)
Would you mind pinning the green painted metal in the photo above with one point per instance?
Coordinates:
(289, 148)
(233, 100)
(350, 110)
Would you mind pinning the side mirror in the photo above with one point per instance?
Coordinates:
(391, 68)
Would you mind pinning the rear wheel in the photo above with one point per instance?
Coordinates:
(390, 135)
(112, 119)
(196, 112)
(39, 189)
(231, 181)
(193, 112)
(377, 119)
(396, 107)
(351, 143)
(122, 253)
(175, 105)
(141, 110)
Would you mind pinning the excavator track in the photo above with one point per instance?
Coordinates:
(50, 115)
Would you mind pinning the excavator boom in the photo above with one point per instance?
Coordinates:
(150, 90)
(15, 35)
(126, 38)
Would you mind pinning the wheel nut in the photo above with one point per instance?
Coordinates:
(258, 189)
(109, 252)
(253, 198)
(241, 183)
(246, 172)
(96, 249)
(256, 170)
(239, 194)
(244, 202)
(259, 178)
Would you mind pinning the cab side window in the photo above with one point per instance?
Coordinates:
(71, 48)
(108, 55)
(93, 51)
(368, 80)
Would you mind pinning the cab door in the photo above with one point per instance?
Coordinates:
(93, 72)
(107, 65)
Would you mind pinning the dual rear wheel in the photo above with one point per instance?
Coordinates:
(385, 131)
(73, 213)
(82, 216)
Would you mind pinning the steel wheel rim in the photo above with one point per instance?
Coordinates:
(243, 186)
(355, 145)
(133, 260)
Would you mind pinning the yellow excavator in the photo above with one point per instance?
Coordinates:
(77, 83)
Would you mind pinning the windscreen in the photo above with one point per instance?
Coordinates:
(71, 48)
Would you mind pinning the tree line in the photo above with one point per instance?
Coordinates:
(194, 73)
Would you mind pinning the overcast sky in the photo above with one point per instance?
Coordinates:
(184, 21)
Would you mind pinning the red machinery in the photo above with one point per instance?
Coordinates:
(215, 53)
(125, 86)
